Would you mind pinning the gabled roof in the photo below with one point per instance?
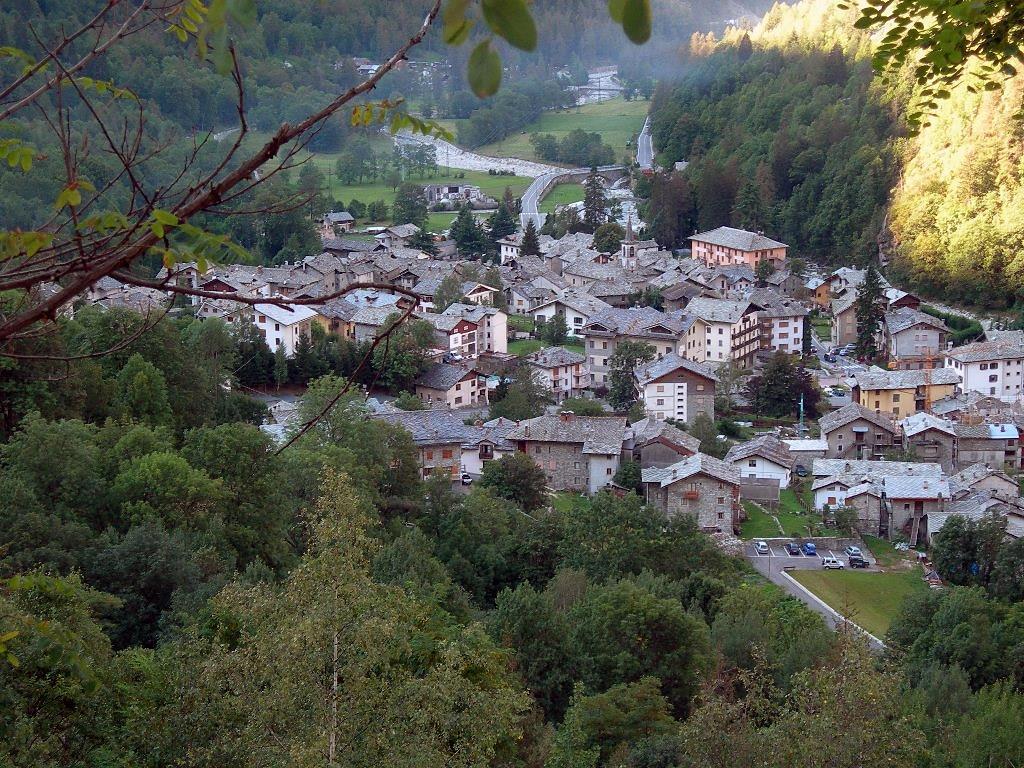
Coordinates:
(654, 370)
(443, 376)
(717, 310)
(598, 434)
(649, 430)
(899, 320)
(338, 217)
(583, 303)
(554, 357)
(987, 431)
(922, 422)
(840, 417)
(970, 476)
(862, 467)
(431, 427)
(879, 379)
(638, 321)
(766, 446)
(698, 464)
(902, 487)
(980, 351)
(740, 239)
(286, 315)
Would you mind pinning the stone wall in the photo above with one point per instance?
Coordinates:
(715, 507)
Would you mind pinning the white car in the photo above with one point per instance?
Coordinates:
(852, 551)
(829, 563)
(761, 547)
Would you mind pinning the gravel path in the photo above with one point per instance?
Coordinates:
(450, 155)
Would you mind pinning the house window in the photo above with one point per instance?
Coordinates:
(721, 500)
(896, 397)
(608, 470)
(575, 465)
(446, 453)
(277, 326)
(661, 388)
(992, 378)
(752, 463)
(700, 387)
(536, 449)
(430, 455)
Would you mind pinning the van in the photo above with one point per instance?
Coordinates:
(829, 562)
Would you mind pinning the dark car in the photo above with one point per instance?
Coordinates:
(801, 470)
(856, 561)
(830, 359)
(792, 548)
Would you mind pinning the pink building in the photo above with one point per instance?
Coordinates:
(727, 246)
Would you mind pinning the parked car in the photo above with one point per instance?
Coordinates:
(830, 358)
(761, 547)
(467, 479)
(853, 551)
(792, 548)
(856, 561)
(844, 352)
(801, 470)
(809, 549)
(828, 563)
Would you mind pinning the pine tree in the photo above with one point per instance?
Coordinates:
(628, 355)
(870, 311)
(501, 224)
(594, 202)
(469, 237)
(280, 366)
(531, 243)
(749, 211)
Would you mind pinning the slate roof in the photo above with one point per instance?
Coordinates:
(699, 463)
(976, 506)
(650, 429)
(740, 239)
(554, 357)
(286, 315)
(880, 379)
(840, 417)
(766, 446)
(338, 309)
(903, 487)
(717, 310)
(348, 244)
(598, 434)
(902, 319)
(864, 468)
(431, 427)
(970, 476)
(638, 321)
(442, 376)
(472, 312)
(655, 369)
(922, 422)
(987, 431)
(339, 217)
(1001, 349)
(403, 230)
(582, 302)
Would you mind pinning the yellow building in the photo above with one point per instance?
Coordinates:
(903, 393)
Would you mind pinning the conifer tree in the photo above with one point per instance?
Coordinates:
(594, 202)
(870, 311)
(531, 244)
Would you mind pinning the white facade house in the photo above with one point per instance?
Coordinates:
(283, 326)
(763, 458)
(994, 368)
(491, 325)
(577, 309)
(560, 371)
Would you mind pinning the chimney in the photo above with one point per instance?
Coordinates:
(527, 430)
(566, 416)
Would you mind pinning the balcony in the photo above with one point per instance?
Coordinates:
(691, 495)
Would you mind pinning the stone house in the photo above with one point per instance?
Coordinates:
(676, 388)
(981, 477)
(898, 504)
(562, 372)
(997, 445)
(833, 478)
(700, 487)
(577, 453)
(726, 246)
(930, 439)
(856, 432)
(452, 386)
(913, 339)
(653, 443)
(439, 436)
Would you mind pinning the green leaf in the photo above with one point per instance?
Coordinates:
(615, 9)
(512, 20)
(484, 70)
(165, 217)
(456, 25)
(636, 20)
(458, 35)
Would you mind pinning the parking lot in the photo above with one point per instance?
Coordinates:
(779, 558)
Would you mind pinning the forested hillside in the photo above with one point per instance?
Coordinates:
(958, 214)
(786, 131)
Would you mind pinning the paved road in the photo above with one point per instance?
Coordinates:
(644, 146)
(531, 197)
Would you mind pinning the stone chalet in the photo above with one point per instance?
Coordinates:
(398, 235)
(856, 432)
(930, 438)
(453, 386)
(439, 436)
(560, 371)
(726, 245)
(646, 325)
(980, 504)
(765, 458)
(577, 453)
(997, 445)
(653, 443)
(676, 388)
(981, 477)
(913, 339)
(700, 487)
(834, 479)
(903, 393)
(897, 503)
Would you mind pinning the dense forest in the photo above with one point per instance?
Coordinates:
(786, 130)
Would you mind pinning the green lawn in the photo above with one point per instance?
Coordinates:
(884, 553)
(521, 323)
(565, 501)
(525, 347)
(871, 600)
(618, 121)
(758, 525)
(822, 327)
(561, 195)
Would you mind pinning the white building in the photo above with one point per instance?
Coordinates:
(282, 326)
(491, 323)
(724, 330)
(763, 458)
(577, 308)
(994, 368)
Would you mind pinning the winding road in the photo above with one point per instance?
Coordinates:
(645, 147)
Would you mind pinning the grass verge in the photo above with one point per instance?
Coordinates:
(871, 600)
